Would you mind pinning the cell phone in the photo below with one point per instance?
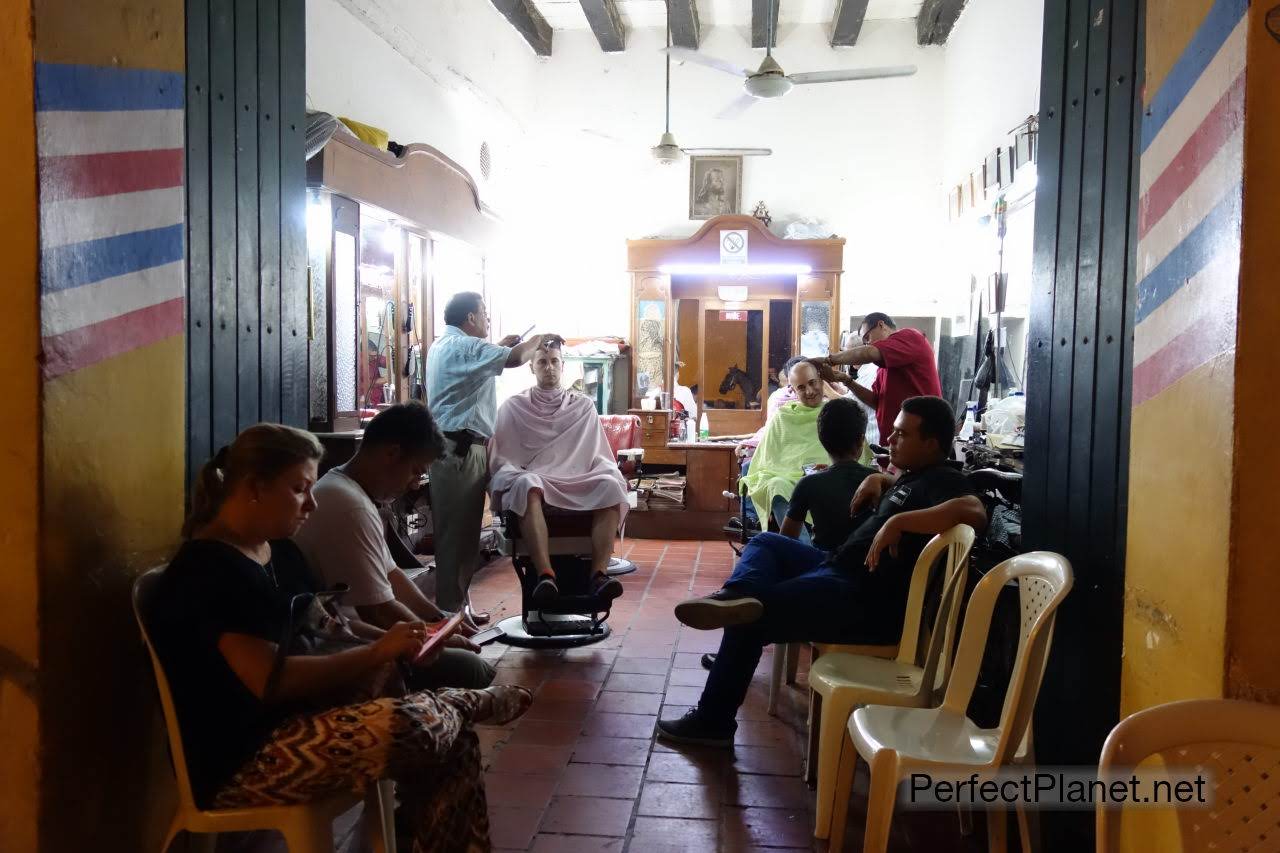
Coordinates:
(438, 636)
(488, 635)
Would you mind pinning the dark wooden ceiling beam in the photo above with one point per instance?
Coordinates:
(606, 23)
(686, 30)
(847, 22)
(760, 10)
(528, 22)
(936, 18)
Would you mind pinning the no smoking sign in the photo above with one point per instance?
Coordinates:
(733, 247)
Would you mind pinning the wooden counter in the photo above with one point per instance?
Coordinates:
(711, 469)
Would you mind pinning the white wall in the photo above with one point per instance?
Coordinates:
(871, 160)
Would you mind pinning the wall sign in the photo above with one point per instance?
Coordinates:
(733, 247)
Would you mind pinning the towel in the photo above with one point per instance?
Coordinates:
(790, 442)
(553, 441)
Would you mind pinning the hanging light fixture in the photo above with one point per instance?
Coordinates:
(667, 151)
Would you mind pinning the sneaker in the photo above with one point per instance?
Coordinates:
(691, 729)
(546, 592)
(708, 661)
(605, 587)
(720, 609)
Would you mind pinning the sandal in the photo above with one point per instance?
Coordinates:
(546, 592)
(509, 702)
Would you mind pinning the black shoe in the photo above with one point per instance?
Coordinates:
(605, 587)
(546, 592)
(691, 729)
(720, 609)
(708, 660)
(735, 523)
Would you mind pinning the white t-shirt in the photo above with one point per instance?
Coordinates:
(344, 541)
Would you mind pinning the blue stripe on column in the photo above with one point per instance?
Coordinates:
(94, 88)
(1200, 51)
(78, 264)
(1217, 232)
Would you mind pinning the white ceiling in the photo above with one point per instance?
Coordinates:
(568, 15)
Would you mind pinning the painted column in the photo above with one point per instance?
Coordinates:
(1203, 571)
(109, 96)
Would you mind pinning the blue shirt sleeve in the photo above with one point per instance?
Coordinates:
(491, 357)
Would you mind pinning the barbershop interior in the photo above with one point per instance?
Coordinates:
(640, 425)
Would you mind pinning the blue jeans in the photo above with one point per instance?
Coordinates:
(779, 510)
(748, 508)
(804, 600)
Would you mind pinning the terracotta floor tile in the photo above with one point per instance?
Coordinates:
(742, 789)
(591, 655)
(740, 827)
(511, 790)
(674, 767)
(545, 843)
(545, 733)
(600, 780)
(629, 682)
(562, 690)
(587, 816)
(774, 761)
(674, 834)
(605, 724)
(688, 660)
(513, 827)
(611, 750)
(567, 711)
(667, 799)
(683, 695)
(628, 703)
(698, 641)
(645, 666)
(688, 677)
(532, 760)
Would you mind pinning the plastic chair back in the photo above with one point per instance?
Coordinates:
(1044, 579)
(143, 595)
(951, 546)
(1235, 744)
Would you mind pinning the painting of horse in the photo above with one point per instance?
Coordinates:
(742, 380)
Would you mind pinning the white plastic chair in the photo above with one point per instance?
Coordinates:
(842, 682)
(306, 828)
(1235, 745)
(900, 741)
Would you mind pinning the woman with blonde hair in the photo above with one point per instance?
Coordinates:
(256, 703)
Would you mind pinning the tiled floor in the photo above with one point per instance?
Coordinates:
(581, 771)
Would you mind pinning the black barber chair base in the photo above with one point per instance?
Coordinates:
(536, 630)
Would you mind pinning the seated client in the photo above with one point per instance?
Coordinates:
(785, 591)
(549, 449)
(345, 540)
(790, 443)
(266, 718)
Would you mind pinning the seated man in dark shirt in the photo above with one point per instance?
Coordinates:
(784, 591)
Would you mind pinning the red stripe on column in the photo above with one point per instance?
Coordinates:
(1175, 360)
(1194, 155)
(95, 175)
(79, 348)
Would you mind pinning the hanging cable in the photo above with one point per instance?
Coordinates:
(668, 122)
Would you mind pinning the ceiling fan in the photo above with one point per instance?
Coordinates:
(667, 151)
(770, 81)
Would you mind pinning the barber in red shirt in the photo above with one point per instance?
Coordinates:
(907, 368)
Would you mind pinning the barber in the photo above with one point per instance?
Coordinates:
(462, 367)
(907, 367)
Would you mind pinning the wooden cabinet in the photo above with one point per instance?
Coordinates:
(655, 429)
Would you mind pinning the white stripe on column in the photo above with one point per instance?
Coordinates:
(63, 133)
(1218, 76)
(65, 310)
(79, 219)
(1219, 175)
(1213, 289)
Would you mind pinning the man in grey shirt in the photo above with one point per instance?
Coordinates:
(462, 367)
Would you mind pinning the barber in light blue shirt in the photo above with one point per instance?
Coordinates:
(462, 367)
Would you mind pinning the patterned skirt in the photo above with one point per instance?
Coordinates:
(424, 741)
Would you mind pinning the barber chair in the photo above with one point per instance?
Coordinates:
(576, 618)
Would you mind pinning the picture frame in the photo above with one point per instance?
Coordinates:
(715, 186)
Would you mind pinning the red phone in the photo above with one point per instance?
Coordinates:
(437, 634)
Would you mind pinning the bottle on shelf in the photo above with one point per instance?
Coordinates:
(970, 422)
(704, 427)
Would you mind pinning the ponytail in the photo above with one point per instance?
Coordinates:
(261, 452)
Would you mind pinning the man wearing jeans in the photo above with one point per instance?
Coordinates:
(785, 591)
(462, 367)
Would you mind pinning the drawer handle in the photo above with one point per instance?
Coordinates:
(650, 419)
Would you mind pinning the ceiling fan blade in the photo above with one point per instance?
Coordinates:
(728, 152)
(852, 74)
(737, 107)
(683, 54)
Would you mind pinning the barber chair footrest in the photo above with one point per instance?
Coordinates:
(552, 630)
(619, 566)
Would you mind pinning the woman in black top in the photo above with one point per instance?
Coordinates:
(260, 726)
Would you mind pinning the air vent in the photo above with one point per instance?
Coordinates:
(486, 164)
